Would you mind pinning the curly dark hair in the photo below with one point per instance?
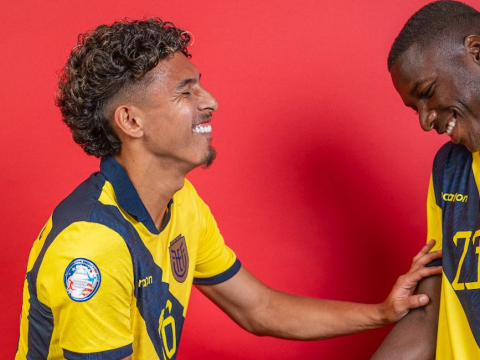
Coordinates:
(102, 64)
(435, 23)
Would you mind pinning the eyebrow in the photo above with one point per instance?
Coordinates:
(418, 83)
(187, 81)
(415, 88)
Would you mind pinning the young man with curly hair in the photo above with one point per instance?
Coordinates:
(435, 67)
(110, 275)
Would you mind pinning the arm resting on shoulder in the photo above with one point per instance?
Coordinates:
(415, 336)
(265, 311)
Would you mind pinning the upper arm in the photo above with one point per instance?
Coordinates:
(242, 298)
(91, 302)
(215, 262)
(414, 337)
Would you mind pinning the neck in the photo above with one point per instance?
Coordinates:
(155, 182)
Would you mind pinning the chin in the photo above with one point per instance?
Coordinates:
(209, 157)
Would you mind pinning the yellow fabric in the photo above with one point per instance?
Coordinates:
(455, 339)
(108, 311)
(434, 219)
(111, 319)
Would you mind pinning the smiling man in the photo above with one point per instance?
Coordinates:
(435, 67)
(110, 274)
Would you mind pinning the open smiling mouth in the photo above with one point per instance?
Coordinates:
(203, 128)
(451, 125)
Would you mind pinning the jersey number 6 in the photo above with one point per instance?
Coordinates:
(162, 324)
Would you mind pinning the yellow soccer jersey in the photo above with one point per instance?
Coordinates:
(102, 282)
(453, 214)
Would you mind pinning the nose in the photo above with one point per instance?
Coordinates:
(427, 118)
(207, 102)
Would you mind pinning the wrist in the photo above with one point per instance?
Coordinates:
(381, 318)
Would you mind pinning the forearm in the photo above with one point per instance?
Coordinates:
(290, 316)
(294, 317)
(264, 311)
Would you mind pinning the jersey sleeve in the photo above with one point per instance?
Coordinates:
(434, 221)
(86, 278)
(216, 262)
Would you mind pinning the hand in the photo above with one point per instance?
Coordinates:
(401, 298)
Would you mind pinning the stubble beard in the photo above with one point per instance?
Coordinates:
(209, 157)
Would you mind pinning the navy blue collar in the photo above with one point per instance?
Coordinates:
(127, 195)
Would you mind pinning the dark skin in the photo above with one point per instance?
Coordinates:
(442, 84)
(415, 336)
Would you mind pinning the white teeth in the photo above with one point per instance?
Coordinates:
(450, 126)
(202, 129)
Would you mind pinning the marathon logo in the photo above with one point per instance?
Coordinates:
(455, 197)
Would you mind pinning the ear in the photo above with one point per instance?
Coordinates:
(129, 121)
(472, 44)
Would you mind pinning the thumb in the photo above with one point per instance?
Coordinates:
(416, 301)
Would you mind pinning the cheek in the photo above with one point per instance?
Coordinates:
(466, 86)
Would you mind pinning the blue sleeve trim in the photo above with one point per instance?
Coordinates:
(436, 262)
(115, 354)
(217, 279)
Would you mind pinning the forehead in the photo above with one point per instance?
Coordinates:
(415, 66)
(172, 70)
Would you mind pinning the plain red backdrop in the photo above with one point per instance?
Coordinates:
(322, 174)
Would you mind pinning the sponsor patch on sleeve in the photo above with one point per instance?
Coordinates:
(82, 279)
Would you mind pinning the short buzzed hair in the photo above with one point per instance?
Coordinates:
(435, 21)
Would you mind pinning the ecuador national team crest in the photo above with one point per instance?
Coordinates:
(179, 258)
(82, 279)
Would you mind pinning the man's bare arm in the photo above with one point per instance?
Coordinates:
(414, 337)
(264, 311)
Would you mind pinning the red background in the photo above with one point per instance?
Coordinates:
(322, 174)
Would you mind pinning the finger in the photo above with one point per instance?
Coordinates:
(416, 301)
(412, 278)
(409, 282)
(425, 249)
(426, 259)
(403, 306)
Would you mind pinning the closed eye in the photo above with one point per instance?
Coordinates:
(427, 93)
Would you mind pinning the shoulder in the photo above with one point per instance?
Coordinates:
(79, 205)
(451, 159)
(92, 204)
(84, 218)
(451, 152)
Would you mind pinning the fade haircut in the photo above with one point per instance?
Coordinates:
(435, 23)
(108, 63)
